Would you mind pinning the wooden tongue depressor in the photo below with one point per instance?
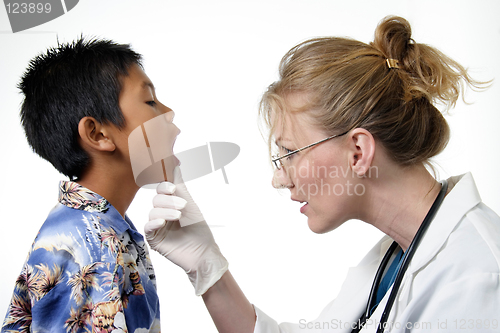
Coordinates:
(151, 153)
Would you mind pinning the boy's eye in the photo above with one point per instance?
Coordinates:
(151, 103)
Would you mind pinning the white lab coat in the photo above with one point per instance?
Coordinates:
(452, 283)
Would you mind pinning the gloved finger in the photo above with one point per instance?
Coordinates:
(165, 188)
(180, 187)
(178, 176)
(165, 214)
(168, 201)
(154, 225)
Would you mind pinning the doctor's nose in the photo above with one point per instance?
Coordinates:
(281, 179)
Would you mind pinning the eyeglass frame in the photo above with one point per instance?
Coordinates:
(277, 158)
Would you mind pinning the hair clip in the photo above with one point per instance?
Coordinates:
(392, 63)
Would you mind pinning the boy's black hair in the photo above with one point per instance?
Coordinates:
(65, 84)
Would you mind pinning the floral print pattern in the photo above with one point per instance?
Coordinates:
(88, 271)
(76, 196)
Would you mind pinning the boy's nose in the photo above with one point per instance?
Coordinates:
(169, 113)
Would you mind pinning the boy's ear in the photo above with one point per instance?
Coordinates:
(95, 135)
(362, 151)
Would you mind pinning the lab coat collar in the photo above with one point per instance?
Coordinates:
(462, 197)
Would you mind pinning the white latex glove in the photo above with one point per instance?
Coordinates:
(191, 246)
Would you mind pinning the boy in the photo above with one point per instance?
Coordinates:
(88, 269)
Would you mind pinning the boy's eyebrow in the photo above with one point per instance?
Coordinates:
(146, 84)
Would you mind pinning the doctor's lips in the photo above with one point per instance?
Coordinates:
(304, 207)
(152, 159)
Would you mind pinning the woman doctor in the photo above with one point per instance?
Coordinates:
(369, 110)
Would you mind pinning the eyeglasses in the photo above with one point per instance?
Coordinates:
(277, 158)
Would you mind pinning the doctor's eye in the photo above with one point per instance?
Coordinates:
(286, 151)
(151, 103)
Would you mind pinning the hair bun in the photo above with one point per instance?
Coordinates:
(392, 37)
(425, 72)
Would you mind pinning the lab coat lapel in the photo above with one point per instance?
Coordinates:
(351, 301)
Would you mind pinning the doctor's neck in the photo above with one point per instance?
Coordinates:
(399, 201)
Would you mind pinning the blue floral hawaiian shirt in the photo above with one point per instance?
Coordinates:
(88, 271)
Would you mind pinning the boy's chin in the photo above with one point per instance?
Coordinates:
(158, 172)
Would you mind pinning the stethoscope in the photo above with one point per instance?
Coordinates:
(404, 265)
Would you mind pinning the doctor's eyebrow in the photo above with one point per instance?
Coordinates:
(279, 140)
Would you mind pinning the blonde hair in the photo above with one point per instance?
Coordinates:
(349, 84)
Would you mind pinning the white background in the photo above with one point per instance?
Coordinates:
(210, 62)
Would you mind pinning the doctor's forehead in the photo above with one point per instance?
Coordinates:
(290, 126)
(277, 130)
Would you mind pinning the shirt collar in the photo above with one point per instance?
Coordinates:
(74, 195)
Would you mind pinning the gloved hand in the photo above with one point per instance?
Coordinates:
(191, 246)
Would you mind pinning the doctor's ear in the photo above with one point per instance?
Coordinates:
(94, 135)
(361, 145)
